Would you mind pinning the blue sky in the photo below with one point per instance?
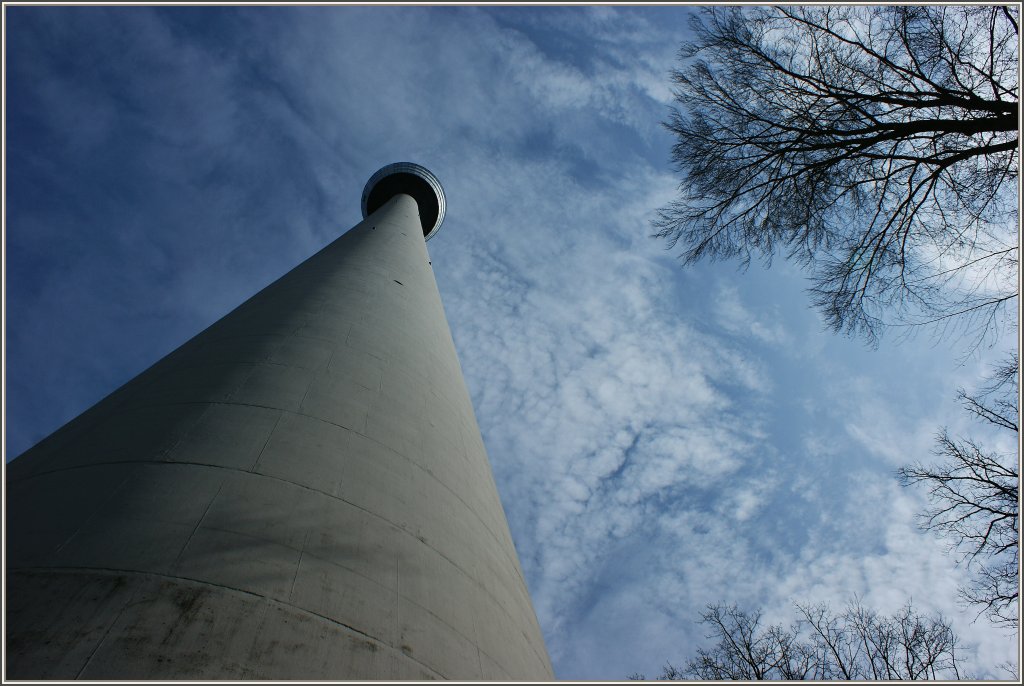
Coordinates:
(661, 438)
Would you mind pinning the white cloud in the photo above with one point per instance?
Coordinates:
(643, 460)
(617, 400)
(736, 318)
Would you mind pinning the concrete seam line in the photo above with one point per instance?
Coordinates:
(297, 485)
(133, 572)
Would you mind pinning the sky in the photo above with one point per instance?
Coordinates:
(662, 438)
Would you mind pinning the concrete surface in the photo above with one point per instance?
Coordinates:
(299, 492)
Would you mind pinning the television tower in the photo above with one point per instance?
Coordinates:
(298, 492)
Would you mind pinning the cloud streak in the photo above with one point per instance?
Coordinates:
(661, 439)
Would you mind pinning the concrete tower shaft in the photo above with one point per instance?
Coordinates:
(298, 492)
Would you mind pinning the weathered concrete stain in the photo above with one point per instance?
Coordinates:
(299, 492)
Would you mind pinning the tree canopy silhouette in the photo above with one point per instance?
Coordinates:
(974, 496)
(857, 643)
(876, 145)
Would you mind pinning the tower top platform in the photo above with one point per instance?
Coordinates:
(411, 179)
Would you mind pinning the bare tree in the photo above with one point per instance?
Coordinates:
(746, 652)
(974, 499)
(855, 644)
(876, 145)
(861, 644)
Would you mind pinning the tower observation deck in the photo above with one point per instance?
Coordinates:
(298, 492)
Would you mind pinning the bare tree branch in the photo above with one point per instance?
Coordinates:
(974, 499)
(855, 644)
(876, 145)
